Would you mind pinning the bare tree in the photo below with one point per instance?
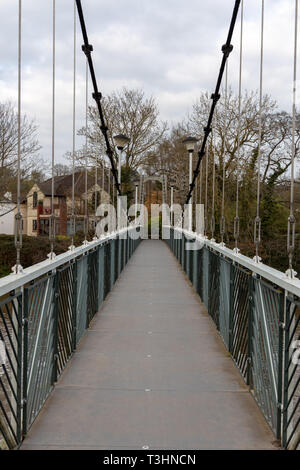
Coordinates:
(276, 132)
(276, 149)
(172, 160)
(9, 146)
(129, 112)
(61, 169)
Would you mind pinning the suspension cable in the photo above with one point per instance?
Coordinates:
(52, 217)
(74, 133)
(96, 187)
(257, 223)
(108, 178)
(87, 49)
(196, 189)
(103, 180)
(206, 195)
(201, 183)
(200, 198)
(96, 193)
(222, 221)
(292, 220)
(113, 195)
(107, 172)
(236, 228)
(18, 217)
(213, 220)
(226, 49)
(86, 152)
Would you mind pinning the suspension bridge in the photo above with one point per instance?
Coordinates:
(129, 343)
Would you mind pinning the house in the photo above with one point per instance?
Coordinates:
(7, 215)
(36, 209)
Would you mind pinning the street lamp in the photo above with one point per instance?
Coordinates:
(190, 143)
(121, 141)
(171, 208)
(136, 200)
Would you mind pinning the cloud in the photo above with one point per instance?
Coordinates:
(170, 48)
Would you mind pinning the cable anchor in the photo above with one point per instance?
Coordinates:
(227, 49)
(87, 49)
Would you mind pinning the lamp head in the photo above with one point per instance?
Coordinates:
(121, 141)
(190, 143)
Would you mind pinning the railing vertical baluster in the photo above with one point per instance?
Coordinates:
(124, 251)
(286, 373)
(231, 307)
(117, 272)
(101, 275)
(89, 280)
(187, 258)
(19, 366)
(119, 255)
(250, 324)
(280, 365)
(209, 272)
(25, 362)
(74, 305)
(195, 269)
(55, 328)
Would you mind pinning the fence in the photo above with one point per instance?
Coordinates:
(43, 315)
(256, 311)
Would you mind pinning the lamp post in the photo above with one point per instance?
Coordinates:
(136, 200)
(190, 143)
(121, 141)
(171, 209)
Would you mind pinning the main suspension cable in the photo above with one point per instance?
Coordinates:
(87, 49)
(236, 227)
(226, 49)
(257, 223)
(292, 220)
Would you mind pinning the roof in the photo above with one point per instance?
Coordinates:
(63, 184)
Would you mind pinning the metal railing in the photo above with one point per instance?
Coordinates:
(256, 310)
(44, 313)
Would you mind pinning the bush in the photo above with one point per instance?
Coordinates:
(155, 220)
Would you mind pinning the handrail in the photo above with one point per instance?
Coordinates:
(273, 275)
(14, 281)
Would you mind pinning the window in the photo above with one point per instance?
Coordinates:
(96, 196)
(35, 199)
(34, 225)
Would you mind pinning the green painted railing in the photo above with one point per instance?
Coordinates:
(43, 321)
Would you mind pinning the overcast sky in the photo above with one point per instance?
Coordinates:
(170, 48)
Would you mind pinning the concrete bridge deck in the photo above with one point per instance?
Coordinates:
(151, 372)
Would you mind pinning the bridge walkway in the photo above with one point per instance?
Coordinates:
(151, 372)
